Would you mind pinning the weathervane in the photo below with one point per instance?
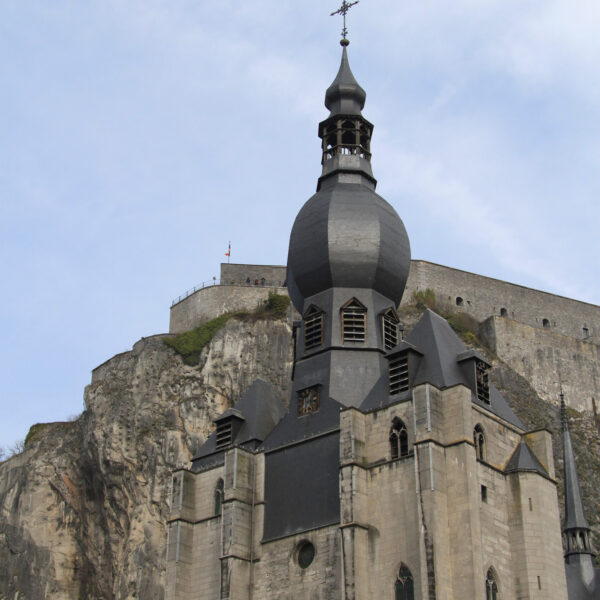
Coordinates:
(343, 10)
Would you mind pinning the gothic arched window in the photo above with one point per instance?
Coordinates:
(405, 589)
(479, 441)
(491, 585)
(398, 439)
(218, 497)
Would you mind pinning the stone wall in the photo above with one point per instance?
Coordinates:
(480, 296)
(483, 297)
(210, 302)
(271, 275)
(542, 357)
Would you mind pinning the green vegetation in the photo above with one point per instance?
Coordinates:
(465, 325)
(278, 304)
(33, 435)
(190, 343)
(424, 299)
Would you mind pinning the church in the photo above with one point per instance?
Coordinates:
(398, 471)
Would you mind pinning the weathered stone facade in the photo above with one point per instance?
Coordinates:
(393, 512)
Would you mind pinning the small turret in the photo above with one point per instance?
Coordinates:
(579, 557)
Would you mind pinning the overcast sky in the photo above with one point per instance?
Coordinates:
(138, 137)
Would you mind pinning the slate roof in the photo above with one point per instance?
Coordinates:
(442, 353)
(294, 428)
(440, 347)
(523, 459)
(577, 590)
(260, 409)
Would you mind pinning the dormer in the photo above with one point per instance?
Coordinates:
(403, 362)
(389, 328)
(354, 321)
(476, 371)
(228, 426)
(313, 328)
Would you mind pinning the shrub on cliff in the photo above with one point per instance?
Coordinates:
(190, 343)
(424, 299)
(278, 304)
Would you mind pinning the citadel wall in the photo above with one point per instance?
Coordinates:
(480, 296)
(540, 356)
(536, 333)
(483, 297)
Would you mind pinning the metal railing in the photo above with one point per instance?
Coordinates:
(260, 282)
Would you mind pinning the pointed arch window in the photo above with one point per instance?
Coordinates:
(479, 441)
(398, 439)
(389, 323)
(219, 497)
(354, 321)
(405, 588)
(313, 328)
(491, 586)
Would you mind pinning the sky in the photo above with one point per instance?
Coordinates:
(139, 137)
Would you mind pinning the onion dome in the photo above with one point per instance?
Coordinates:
(347, 235)
(344, 95)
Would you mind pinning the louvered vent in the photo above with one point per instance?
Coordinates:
(482, 382)
(223, 434)
(354, 317)
(390, 330)
(399, 377)
(313, 329)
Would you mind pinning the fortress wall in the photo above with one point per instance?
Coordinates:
(539, 355)
(483, 297)
(274, 275)
(210, 302)
(520, 339)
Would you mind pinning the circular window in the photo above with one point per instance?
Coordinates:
(305, 554)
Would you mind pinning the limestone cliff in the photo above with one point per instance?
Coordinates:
(83, 509)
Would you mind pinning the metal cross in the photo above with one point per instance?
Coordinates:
(343, 10)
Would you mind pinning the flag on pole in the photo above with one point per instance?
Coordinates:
(228, 253)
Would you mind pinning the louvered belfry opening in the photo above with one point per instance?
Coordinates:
(313, 328)
(482, 382)
(224, 430)
(399, 374)
(354, 321)
(390, 323)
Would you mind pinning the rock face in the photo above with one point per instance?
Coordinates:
(84, 507)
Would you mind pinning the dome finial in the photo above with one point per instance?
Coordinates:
(343, 10)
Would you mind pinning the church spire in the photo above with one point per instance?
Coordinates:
(576, 528)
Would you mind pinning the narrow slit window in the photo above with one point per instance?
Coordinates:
(313, 328)
(218, 497)
(354, 321)
(399, 374)
(482, 382)
(479, 441)
(390, 329)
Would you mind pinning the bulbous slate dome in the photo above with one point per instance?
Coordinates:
(347, 235)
